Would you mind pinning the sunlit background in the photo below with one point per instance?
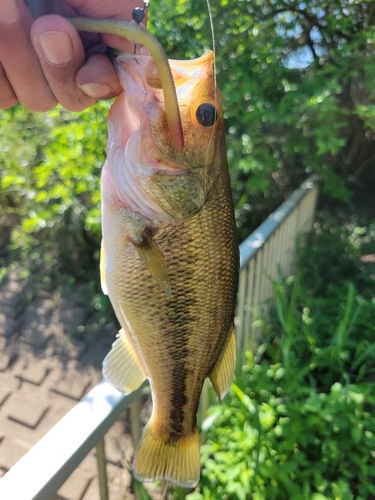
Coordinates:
(297, 80)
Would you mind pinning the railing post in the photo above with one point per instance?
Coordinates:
(102, 470)
(241, 308)
(135, 419)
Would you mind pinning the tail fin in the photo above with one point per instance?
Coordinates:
(175, 461)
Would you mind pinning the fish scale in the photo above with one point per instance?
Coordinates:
(191, 284)
(172, 279)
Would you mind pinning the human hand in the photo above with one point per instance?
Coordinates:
(46, 61)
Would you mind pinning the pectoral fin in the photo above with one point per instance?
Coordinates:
(153, 258)
(222, 373)
(102, 269)
(121, 367)
(141, 236)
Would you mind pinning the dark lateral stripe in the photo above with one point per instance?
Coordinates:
(178, 401)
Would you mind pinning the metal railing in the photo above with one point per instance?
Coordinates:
(268, 250)
(45, 468)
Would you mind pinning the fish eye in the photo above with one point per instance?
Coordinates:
(206, 114)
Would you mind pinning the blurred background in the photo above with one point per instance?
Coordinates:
(297, 80)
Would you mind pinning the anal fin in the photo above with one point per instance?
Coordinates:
(223, 371)
(153, 258)
(121, 367)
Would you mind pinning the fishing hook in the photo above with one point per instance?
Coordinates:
(138, 33)
(138, 16)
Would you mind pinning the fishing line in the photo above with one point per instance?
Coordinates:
(138, 16)
(214, 76)
(213, 39)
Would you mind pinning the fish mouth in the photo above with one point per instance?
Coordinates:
(145, 99)
(138, 33)
(144, 166)
(186, 74)
(142, 103)
(136, 78)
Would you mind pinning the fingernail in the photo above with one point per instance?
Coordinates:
(95, 89)
(8, 11)
(57, 47)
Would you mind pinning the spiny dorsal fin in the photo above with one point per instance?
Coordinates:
(121, 367)
(222, 373)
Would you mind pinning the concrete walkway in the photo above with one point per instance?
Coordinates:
(44, 371)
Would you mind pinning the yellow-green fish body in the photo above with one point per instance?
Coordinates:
(169, 257)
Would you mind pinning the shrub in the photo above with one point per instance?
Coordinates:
(50, 171)
(50, 199)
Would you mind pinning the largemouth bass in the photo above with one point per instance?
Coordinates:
(169, 259)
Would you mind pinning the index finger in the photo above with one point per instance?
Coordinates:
(19, 59)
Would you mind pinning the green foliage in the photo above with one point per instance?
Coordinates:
(297, 80)
(49, 177)
(298, 97)
(50, 198)
(298, 422)
(51, 166)
(270, 444)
